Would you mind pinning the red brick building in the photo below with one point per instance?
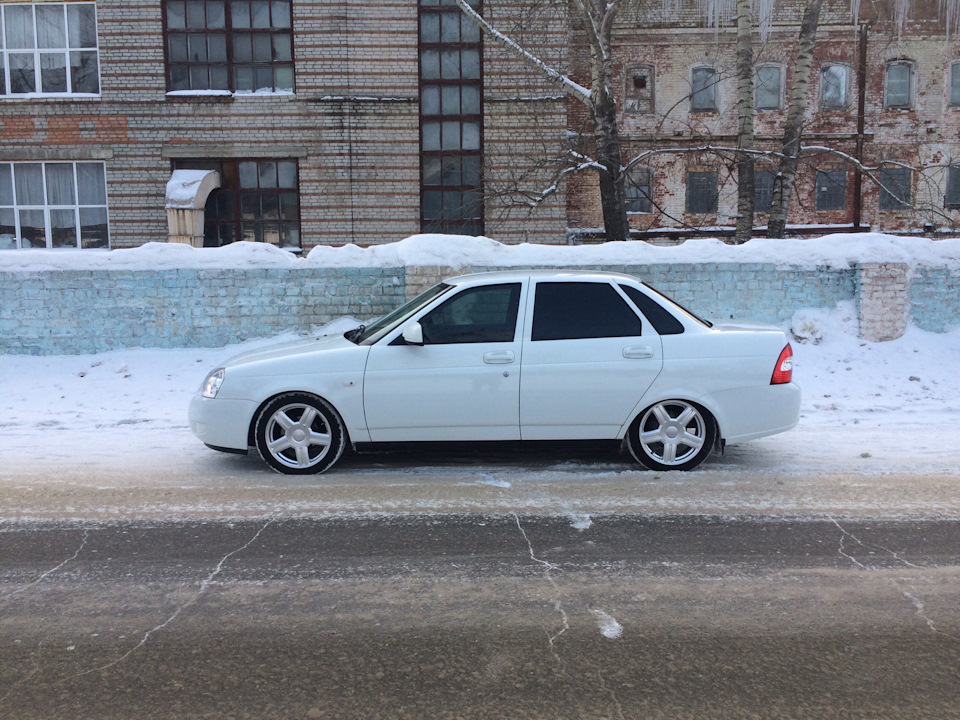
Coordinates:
(306, 122)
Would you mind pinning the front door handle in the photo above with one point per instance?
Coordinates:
(504, 357)
(635, 352)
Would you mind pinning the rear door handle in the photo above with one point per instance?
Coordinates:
(504, 357)
(638, 352)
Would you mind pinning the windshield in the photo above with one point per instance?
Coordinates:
(678, 306)
(369, 334)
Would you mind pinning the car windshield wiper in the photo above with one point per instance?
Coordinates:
(354, 335)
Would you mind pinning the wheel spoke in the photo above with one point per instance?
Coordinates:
(685, 416)
(280, 444)
(650, 436)
(660, 412)
(691, 440)
(283, 420)
(309, 415)
(322, 439)
(669, 452)
(303, 456)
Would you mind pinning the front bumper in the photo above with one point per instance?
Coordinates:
(221, 422)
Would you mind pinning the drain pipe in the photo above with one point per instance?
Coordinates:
(861, 125)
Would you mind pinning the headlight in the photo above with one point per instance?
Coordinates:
(211, 386)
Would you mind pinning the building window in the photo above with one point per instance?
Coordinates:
(702, 192)
(639, 96)
(638, 190)
(769, 87)
(954, 84)
(898, 85)
(952, 198)
(53, 205)
(239, 46)
(896, 185)
(704, 97)
(831, 191)
(451, 120)
(258, 201)
(834, 86)
(763, 190)
(49, 49)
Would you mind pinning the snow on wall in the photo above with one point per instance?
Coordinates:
(176, 296)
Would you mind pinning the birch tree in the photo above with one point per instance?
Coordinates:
(597, 18)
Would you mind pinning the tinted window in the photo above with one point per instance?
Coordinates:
(570, 311)
(661, 319)
(477, 315)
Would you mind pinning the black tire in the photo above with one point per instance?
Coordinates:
(672, 435)
(299, 434)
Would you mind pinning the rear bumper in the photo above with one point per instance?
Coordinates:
(750, 413)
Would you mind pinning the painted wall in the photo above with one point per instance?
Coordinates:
(77, 312)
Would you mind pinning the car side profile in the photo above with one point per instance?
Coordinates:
(502, 356)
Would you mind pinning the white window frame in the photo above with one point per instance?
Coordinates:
(953, 70)
(714, 89)
(911, 84)
(8, 192)
(67, 53)
(780, 73)
(845, 100)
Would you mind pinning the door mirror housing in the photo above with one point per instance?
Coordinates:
(413, 334)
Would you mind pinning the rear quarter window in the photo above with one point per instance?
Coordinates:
(661, 319)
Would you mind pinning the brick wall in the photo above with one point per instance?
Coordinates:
(75, 312)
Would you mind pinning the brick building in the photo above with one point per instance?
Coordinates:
(306, 122)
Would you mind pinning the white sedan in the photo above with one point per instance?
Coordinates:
(531, 355)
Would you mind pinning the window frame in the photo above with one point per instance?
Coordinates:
(548, 332)
(822, 198)
(67, 52)
(18, 206)
(509, 328)
(759, 204)
(230, 65)
(231, 187)
(642, 199)
(442, 187)
(712, 204)
(780, 77)
(887, 200)
(911, 84)
(640, 101)
(844, 102)
(953, 71)
(713, 88)
(951, 197)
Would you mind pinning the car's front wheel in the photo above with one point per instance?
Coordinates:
(298, 434)
(672, 435)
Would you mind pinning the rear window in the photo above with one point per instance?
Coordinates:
(576, 310)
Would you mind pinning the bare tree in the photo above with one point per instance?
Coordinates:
(597, 19)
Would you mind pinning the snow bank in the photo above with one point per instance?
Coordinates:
(833, 251)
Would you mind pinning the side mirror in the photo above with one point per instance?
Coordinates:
(413, 334)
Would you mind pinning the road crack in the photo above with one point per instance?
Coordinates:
(548, 570)
(43, 576)
(204, 584)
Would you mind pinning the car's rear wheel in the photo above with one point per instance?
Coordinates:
(298, 434)
(672, 435)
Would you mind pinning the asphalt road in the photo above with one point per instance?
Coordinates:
(472, 616)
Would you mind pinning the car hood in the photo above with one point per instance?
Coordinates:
(293, 348)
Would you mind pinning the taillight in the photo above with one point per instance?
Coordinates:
(783, 372)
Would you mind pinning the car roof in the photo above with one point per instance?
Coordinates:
(573, 274)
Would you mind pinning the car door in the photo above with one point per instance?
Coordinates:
(588, 357)
(463, 383)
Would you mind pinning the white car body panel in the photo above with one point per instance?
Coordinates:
(566, 389)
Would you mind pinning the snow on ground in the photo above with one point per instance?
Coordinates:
(868, 408)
